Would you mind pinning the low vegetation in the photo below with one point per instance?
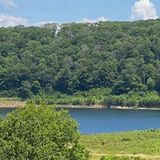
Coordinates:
(94, 97)
(122, 158)
(102, 98)
(136, 145)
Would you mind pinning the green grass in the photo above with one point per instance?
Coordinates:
(101, 97)
(122, 158)
(146, 143)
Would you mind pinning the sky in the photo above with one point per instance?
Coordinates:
(37, 12)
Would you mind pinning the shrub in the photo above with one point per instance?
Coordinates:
(37, 133)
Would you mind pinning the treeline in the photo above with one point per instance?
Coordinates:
(121, 56)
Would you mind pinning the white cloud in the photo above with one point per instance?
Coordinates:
(85, 20)
(7, 3)
(143, 10)
(99, 19)
(41, 23)
(10, 21)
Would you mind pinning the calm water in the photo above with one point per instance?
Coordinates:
(102, 120)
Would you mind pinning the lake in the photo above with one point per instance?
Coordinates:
(93, 121)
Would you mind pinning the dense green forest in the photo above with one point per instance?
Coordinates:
(116, 57)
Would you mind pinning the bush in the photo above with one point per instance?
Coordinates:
(150, 100)
(37, 133)
(115, 101)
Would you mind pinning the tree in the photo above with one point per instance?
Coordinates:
(118, 55)
(40, 133)
(25, 90)
(151, 84)
(36, 87)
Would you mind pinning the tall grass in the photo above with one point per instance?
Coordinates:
(101, 97)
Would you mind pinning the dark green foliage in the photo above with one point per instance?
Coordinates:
(37, 133)
(150, 84)
(36, 87)
(25, 90)
(121, 56)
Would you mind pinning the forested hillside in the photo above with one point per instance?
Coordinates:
(121, 56)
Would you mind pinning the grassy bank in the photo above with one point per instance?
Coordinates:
(11, 102)
(132, 145)
(96, 98)
(101, 97)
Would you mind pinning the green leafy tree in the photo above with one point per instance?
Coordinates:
(36, 87)
(40, 133)
(25, 90)
(151, 84)
(118, 55)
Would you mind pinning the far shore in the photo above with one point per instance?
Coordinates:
(10, 103)
(16, 104)
(106, 107)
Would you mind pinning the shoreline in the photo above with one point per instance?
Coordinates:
(106, 107)
(11, 104)
(16, 104)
